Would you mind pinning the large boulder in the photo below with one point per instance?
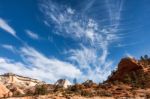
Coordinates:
(63, 83)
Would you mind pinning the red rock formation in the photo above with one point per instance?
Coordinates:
(125, 66)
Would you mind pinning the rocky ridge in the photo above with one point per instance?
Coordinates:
(130, 79)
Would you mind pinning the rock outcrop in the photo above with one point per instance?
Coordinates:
(133, 72)
(131, 79)
(126, 66)
(63, 83)
(18, 84)
(4, 92)
(10, 78)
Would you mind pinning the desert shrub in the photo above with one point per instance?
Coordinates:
(40, 90)
(86, 93)
(88, 83)
(30, 92)
(145, 60)
(116, 82)
(75, 81)
(127, 79)
(147, 96)
(58, 88)
(109, 78)
(104, 93)
(77, 87)
(138, 79)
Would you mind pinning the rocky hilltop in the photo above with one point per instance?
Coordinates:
(10, 78)
(132, 72)
(13, 84)
(131, 79)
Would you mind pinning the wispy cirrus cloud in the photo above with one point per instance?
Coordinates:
(32, 34)
(95, 36)
(114, 11)
(5, 26)
(127, 45)
(89, 60)
(69, 23)
(89, 5)
(39, 66)
(84, 57)
(9, 47)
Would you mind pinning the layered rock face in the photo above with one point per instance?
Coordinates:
(17, 84)
(10, 78)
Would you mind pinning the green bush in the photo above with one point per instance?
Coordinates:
(41, 90)
(86, 93)
(105, 93)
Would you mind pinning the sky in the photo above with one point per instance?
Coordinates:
(83, 39)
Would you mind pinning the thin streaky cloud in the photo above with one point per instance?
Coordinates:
(114, 11)
(9, 47)
(5, 26)
(32, 34)
(89, 5)
(129, 44)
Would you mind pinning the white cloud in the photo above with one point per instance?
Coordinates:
(114, 11)
(70, 24)
(32, 34)
(84, 57)
(9, 47)
(5, 26)
(89, 60)
(127, 45)
(39, 66)
(95, 36)
(69, 10)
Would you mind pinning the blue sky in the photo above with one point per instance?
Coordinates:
(53, 39)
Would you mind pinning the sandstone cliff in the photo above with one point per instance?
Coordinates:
(18, 84)
(10, 78)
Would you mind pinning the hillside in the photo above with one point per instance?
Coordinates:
(10, 78)
(16, 84)
(130, 79)
(133, 72)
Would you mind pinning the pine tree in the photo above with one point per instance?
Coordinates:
(75, 81)
(146, 57)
